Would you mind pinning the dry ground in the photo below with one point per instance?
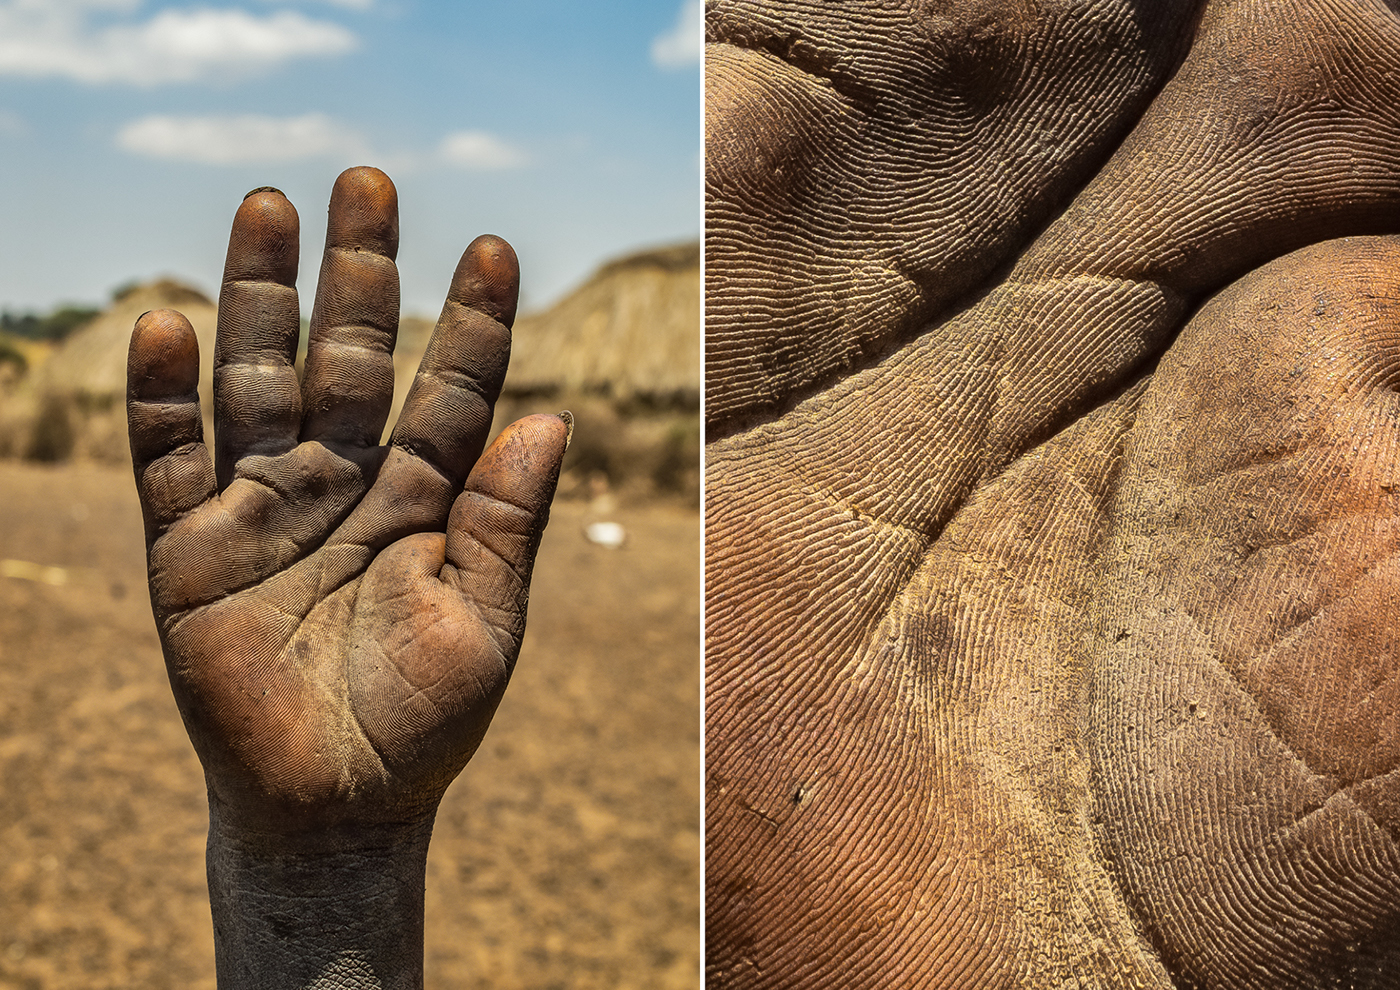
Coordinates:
(565, 856)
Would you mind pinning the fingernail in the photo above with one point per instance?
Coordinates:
(254, 192)
(568, 419)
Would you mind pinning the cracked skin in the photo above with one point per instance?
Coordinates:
(1094, 310)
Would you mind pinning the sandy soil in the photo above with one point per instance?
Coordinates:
(565, 856)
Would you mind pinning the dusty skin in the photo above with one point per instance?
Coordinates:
(339, 618)
(1053, 378)
(564, 858)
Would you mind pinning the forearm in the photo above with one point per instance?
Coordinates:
(333, 913)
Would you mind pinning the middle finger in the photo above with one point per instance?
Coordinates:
(349, 381)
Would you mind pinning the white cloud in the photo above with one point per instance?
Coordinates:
(242, 140)
(680, 47)
(255, 139)
(479, 150)
(348, 4)
(52, 38)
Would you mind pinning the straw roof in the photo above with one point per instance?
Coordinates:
(632, 330)
(91, 361)
(630, 333)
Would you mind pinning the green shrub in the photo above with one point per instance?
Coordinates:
(11, 355)
(55, 326)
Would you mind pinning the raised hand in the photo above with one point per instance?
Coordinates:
(1045, 603)
(339, 618)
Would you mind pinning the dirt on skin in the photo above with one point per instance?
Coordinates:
(566, 855)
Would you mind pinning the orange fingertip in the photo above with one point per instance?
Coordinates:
(364, 212)
(265, 241)
(163, 361)
(522, 465)
(488, 278)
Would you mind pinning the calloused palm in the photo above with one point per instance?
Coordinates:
(1050, 515)
(339, 618)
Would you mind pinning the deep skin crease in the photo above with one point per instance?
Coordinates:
(339, 617)
(1053, 428)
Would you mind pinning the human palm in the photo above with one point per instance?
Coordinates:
(1047, 621)
(339, 618)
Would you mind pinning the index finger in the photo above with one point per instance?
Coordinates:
(447, 414)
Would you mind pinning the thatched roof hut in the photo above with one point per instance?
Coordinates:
(71, 404)
(627, 340)
(629, 335)
(91, 362)
(632, 331)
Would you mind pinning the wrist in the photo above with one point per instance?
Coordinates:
(339, 908)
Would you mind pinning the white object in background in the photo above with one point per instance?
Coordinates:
(606, 534)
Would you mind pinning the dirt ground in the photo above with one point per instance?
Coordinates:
(566, 856)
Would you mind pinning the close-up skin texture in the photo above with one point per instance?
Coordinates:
(1053, 494)
(339, 617)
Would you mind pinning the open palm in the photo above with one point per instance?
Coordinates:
(1050, 498)
(339, 618)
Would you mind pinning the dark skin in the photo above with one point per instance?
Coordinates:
(1050, 499)
(339, 617)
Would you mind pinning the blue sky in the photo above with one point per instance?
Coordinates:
(130, 130)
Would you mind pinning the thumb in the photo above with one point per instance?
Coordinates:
(497, 521)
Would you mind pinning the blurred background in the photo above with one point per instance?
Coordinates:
(567, 854)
